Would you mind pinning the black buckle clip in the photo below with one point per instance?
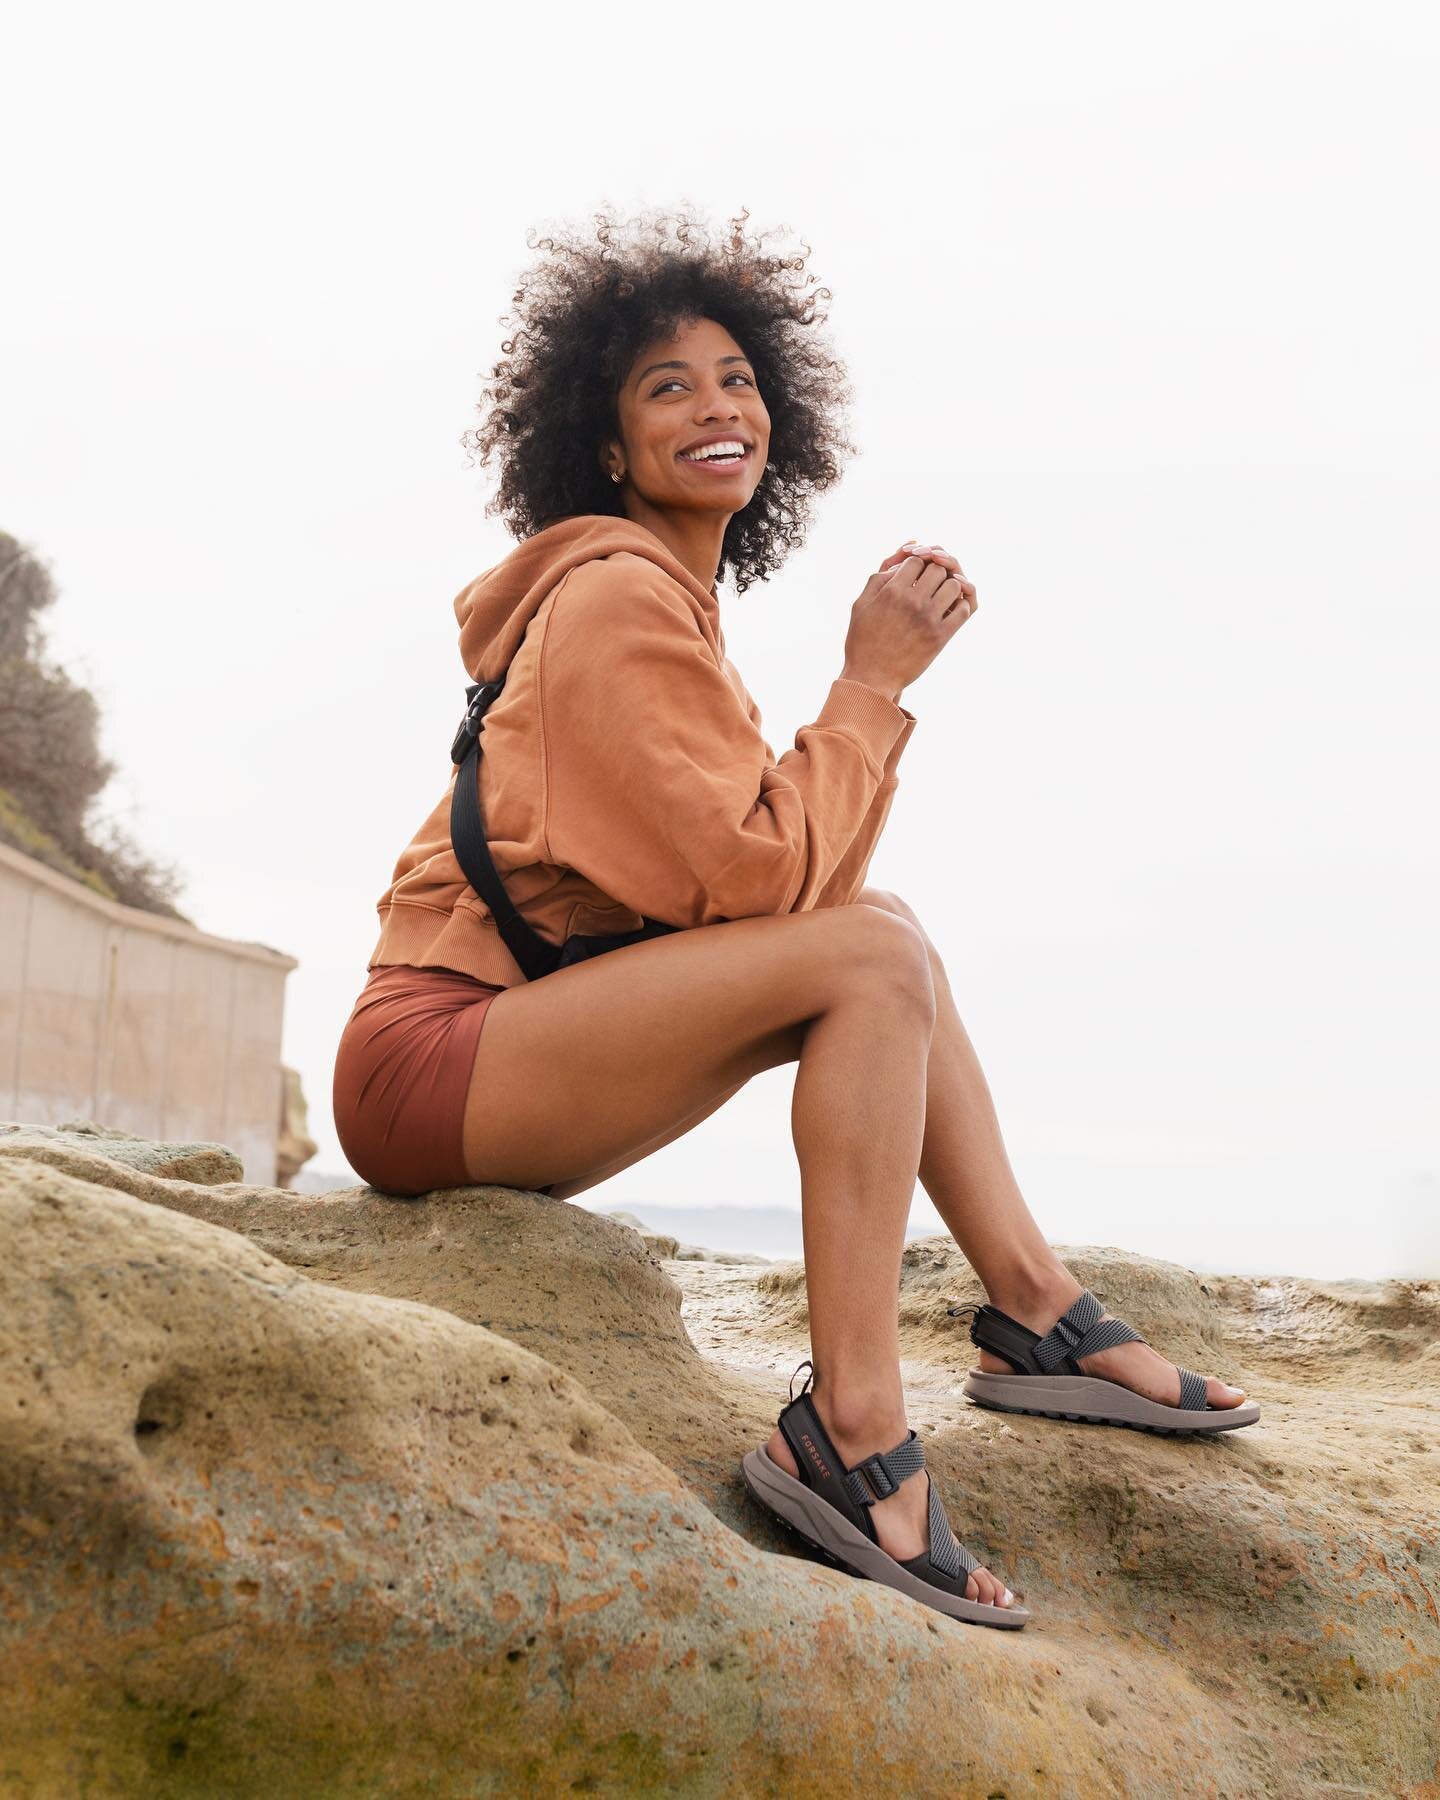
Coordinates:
(481, 696)
(882, 1483)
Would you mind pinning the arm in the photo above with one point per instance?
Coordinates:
(854, 866)
(660, 787)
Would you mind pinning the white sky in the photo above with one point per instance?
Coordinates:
(1140, 306)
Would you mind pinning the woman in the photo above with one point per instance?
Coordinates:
(663, 416)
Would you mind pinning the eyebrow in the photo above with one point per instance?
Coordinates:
(720, 360)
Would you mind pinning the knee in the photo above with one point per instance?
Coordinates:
(887, 902)
(893, 952)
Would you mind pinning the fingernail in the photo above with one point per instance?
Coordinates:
(1008, 1597)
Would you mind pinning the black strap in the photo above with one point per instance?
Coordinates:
(536, 956)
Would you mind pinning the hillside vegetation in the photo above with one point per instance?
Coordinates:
(52, 773)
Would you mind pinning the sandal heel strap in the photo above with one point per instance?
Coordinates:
(1007, 1338)
(818, 1461)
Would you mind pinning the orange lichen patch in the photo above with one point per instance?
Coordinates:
(634, 1660)
(1419, 1668)
(211, 1534)
(639, 1581)
(1429, 1606)
(506, 1606)
(531, 1539)
(676, 1588)
(588, 1603)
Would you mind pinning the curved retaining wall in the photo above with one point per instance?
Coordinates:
(134, 1020)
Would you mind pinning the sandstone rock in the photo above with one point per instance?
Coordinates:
(657, 1243)
(91, 1150)
(262, 1536)
(294, 1145)
(670, 1249)
(567, 1283)
(1247, 1614)
(697, 1253)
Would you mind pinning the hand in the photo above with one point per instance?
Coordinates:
(934, 553)
(912, 606)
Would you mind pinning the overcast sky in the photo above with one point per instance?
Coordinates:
(1140, 308)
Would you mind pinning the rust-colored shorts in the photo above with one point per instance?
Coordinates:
(402, 1074)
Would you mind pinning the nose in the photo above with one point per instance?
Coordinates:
(716, 401)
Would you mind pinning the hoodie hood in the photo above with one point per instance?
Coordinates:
(495, 608)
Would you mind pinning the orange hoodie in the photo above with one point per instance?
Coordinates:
(623, 770)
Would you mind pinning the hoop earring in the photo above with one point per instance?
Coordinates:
(615, 477)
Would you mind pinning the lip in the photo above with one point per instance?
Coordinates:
(712, 467)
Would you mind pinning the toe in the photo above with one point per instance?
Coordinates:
(1220, 1393)
(985, 1588)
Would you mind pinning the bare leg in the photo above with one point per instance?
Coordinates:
(651, 1036)
(965, 1170)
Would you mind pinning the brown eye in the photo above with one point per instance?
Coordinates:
(674, 381)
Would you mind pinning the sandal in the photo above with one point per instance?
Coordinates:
(1046, 1378)
(830, 1510)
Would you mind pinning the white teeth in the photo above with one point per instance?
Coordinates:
(706, 451)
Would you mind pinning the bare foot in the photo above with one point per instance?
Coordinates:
(1135, 1366)
(902, 1520)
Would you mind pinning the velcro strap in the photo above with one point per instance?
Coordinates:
(885, 1470)
(1081, 1332)
(1192, 1390)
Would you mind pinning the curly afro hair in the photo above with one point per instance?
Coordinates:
(583, 316)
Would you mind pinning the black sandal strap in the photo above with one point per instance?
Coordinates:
(855, 1490)
(819, 1462)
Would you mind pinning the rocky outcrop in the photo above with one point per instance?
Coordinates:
(294, 1145)
(351, 1493)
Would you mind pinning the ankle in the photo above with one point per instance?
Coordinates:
(859, 1422)
(1035, 1293)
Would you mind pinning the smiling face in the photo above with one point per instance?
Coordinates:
(682, 396)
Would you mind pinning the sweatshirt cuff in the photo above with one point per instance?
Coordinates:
(865, 713)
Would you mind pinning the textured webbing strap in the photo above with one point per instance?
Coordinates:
(1192, 1390)
(886, 1469)
(1081, 1332)
(946, 1551)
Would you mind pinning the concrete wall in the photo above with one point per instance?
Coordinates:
(134, 1020)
